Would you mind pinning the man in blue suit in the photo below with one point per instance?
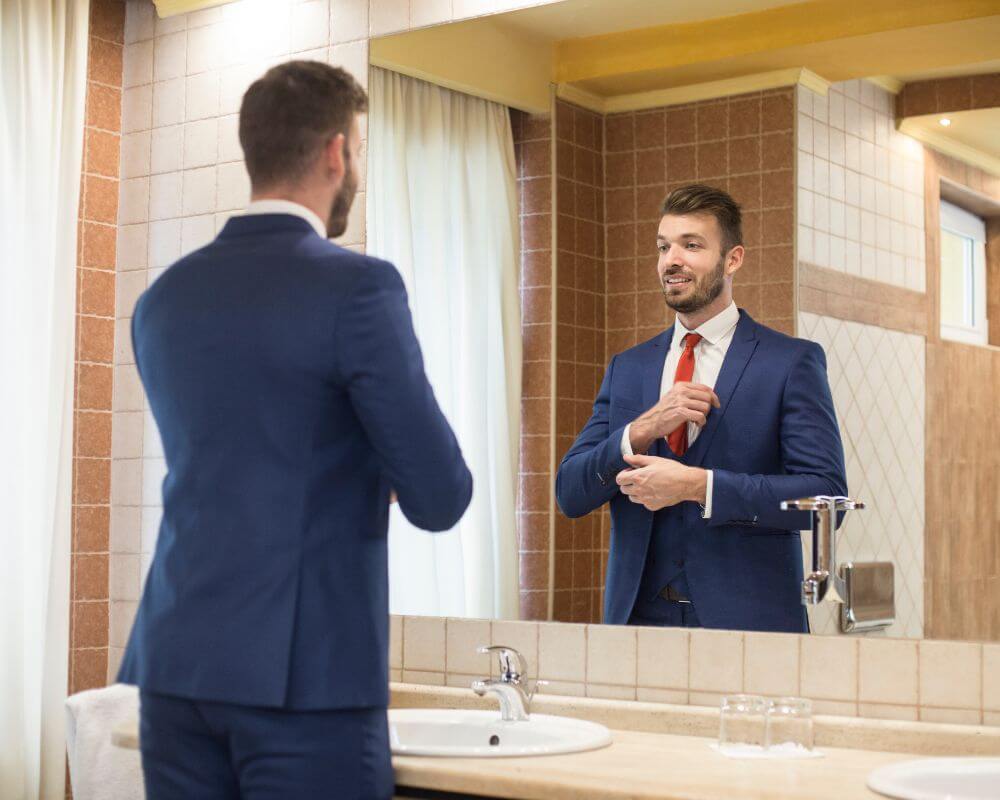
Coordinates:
(697, 435)
(290, 395)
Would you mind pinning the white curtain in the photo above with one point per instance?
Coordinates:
(43, 62)
(442, 206)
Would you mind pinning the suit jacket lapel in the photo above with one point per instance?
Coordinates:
(742, 347)
(652, 371)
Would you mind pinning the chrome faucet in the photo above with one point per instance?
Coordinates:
(824, 582)
(509, 689)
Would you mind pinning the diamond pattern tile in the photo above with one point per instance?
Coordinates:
(877, 380)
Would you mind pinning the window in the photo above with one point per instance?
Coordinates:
(963, 275)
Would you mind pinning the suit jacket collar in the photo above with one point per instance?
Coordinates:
(257, 224)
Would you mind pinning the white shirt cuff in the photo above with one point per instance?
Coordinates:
(626, 443)
(706, 511)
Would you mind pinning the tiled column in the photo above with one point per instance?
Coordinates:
(533, 144)
(95, 312)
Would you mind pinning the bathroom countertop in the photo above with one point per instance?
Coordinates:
(648, 765)
(662, 751)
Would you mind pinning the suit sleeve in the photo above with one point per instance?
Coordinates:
(380, 360)
(811, 451)
(586, 477)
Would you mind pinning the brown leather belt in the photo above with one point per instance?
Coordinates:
(670, 593)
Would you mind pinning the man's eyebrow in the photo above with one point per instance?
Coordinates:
(661, 238)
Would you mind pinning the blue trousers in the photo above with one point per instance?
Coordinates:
(217, 751)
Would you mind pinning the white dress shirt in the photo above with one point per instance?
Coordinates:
(287, 207)
(709, 353)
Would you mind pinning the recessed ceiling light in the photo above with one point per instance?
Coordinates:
(945, 121)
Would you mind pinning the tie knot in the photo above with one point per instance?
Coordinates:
(691, 340)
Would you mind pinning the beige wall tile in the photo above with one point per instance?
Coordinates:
(991, 677)
(570, 688)
(887, 671)
(424, 678)
(396, 641)
(955, 716)
(709, 699)
(610, 692)
(716, 661)
(562, 652)
(463, 638)
(395, 675)
(523, 637)
(838, 708)
(818, 680)
(887, 711)
(672, 696)
(771, 664)
(950, 674)
(991, 718)
(461, 680)
(388, 16)
(611, 655)
(424, 643)
(663, 656)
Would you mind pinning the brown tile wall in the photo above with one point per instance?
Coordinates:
(533, 152)
(962, 469)
(943, 95)
(580, 331)
(95, 315)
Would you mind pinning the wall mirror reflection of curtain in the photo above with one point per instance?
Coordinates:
(837, 155)
(442, 206)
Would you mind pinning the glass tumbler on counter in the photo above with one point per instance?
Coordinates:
(742, 722)
(789, 725)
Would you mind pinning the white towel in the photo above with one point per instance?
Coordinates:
(99, 770)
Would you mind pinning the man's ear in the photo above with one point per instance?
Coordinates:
(333, 155)
(734, 260)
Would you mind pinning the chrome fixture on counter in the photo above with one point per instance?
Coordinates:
(823, 583)
(510, 689)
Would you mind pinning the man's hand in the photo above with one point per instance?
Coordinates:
(660, 482)
(685, 402)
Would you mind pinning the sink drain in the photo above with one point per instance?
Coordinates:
(494, 740)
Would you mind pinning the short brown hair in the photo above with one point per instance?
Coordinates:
(290, 113)
(697, 198)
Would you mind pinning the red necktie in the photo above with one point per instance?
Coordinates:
(678, 439)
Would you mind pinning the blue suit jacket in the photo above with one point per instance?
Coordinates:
(774, 438)
(289, 391)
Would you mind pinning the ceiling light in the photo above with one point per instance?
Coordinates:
(945, 121)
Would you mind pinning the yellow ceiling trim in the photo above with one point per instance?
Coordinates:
(704, 41)
(488, 61)
(730, 87)
(943, 144)
(171, 8)
(887, 82)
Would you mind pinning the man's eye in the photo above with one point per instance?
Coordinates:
(695, 245)
(662, 248)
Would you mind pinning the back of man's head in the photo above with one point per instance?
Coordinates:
(290, 113)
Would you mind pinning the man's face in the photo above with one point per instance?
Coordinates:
(691, 265)
(336, 224)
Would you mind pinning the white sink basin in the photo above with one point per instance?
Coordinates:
(939, 779)
(482, 734)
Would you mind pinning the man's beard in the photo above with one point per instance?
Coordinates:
(336, 223)
(706, 289)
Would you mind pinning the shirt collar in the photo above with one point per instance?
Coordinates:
(711, 330)
(273, 206)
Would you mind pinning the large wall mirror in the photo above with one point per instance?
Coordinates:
(517, 168)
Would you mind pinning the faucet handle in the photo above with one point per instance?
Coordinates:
(822, 502)
(512, 666)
